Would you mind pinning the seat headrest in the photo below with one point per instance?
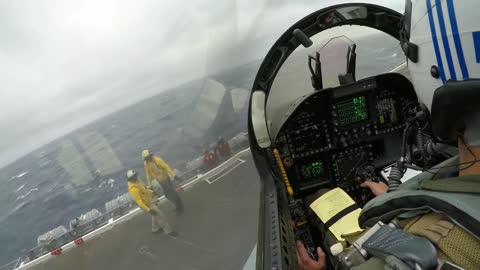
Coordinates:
(453, 104)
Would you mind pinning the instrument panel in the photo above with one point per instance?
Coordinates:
(333, 133)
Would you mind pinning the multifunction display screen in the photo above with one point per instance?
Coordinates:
(313, 170)
(352, 110)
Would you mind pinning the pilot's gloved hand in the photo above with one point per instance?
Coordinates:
(376, 188)
(307, 263)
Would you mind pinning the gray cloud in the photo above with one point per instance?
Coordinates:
(65, 63)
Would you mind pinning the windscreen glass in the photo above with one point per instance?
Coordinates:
(376, 53)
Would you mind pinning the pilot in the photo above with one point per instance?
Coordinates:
(441, 205)
(156, 168)
(143, 196)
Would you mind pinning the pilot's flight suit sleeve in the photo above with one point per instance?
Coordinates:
(135, 193)
(164, 165)
(148, 174)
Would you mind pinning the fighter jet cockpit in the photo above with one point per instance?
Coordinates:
(333, 107)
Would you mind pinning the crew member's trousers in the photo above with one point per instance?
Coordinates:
(171, 194)
(159, 221)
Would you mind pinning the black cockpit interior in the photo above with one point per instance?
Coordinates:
(340, 136)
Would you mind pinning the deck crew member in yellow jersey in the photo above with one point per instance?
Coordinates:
(156, 168)
(143, 196)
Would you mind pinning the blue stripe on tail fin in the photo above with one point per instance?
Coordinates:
(456, 39)
(435, 42)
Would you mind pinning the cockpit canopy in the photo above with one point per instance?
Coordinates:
(288, 71)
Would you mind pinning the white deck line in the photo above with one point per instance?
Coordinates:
(223, 173)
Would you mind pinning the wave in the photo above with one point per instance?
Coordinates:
(22, 174)
(15, 209)
(18, 176)
(21, 197)
(107, 183)
(20, 188)
(43, 165)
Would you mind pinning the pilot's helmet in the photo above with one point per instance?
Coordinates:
(442, 43)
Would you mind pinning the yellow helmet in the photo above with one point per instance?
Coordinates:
(146, 154)
(131, 175)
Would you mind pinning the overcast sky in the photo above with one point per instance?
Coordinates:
(65, 63)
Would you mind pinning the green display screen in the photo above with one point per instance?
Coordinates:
(352, 110)
(314, 169)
